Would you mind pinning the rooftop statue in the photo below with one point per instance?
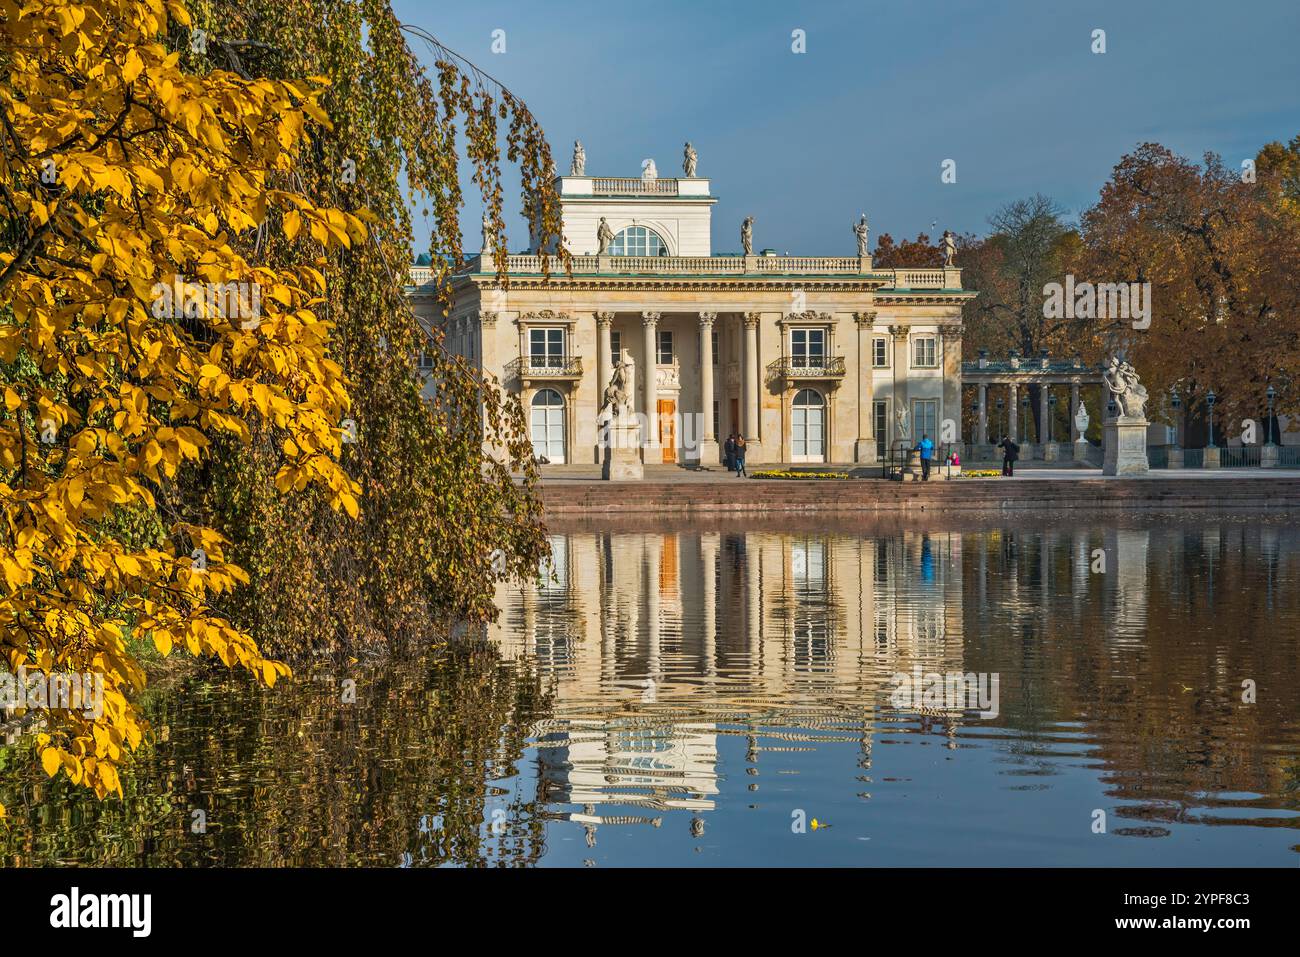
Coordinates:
(747, 235)
(948, 247)
(689, 159)
(604, 236)
(579, 165)
(860, 230)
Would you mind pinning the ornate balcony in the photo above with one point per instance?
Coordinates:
(550, 368)
(792, 369)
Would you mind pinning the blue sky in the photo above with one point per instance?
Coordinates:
(887, 90)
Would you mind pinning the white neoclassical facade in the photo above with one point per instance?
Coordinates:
(812, 359)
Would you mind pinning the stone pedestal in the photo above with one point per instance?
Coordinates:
(1175, 459)
(1268, 457)
(622, 453)
(1211, 459)
(1081, 450)
(1126, 447)
(912, 470)
(1051, 451)
(864, 451)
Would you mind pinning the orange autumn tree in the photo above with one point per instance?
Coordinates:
(131, 333)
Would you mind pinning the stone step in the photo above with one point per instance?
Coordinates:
(958, 495)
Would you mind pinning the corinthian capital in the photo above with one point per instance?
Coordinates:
(604, 318)
(706, 318)
(649, 318)
(865, 319)
(751, 319)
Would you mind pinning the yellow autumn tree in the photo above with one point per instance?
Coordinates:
(130, 333)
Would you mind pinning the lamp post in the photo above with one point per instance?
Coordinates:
(1002, 425)
(1177, 403)
(975, 421)
(1024, 418)
(1209, 401)
(1268, 423)
(1051, 405)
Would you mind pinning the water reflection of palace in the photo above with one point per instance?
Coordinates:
(659, 645)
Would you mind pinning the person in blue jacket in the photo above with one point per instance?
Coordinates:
(926, 448)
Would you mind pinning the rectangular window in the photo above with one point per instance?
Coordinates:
(664, 343)
(925, 419)
(808, 348)
(714, 334)
(615, 347)
(546, 348)
(923, 352)
(880, 424)
(880, 352)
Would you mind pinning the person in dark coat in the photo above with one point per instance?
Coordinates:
(1010, 452)
(729, 452)
(739, 456)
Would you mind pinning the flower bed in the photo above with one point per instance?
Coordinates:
(982, 473)
(785, 474)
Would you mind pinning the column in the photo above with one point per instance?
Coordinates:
(982, 428)
(649, 386)
(864, 449)
(749, 360)
(900, 378)
(604, 359)
(1013, 400)
(951, 333)
(708, 450)
(1074, 410)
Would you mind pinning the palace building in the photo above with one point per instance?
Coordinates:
(812, 359)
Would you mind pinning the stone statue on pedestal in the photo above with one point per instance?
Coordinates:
(488, 233)
(689, 159)
(747, 235)
(1126, 434)
(860, 230)
(579, 165)
(620, 432)
(604, 236)
(949, 248)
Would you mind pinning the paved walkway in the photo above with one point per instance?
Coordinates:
(675, 474)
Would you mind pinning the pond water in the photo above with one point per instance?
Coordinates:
(1115, 691)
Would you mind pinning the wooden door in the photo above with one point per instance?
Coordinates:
(668, 429)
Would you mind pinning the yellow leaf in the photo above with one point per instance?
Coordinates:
(292, 223)
(51, 761)
(132, 67)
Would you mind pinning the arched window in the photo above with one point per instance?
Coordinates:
(548, 426)
(808, 427)
(638, 241)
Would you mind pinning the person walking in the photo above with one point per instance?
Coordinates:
(1010, 452)
(739, 456)
(926, 448)
(729, 453)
